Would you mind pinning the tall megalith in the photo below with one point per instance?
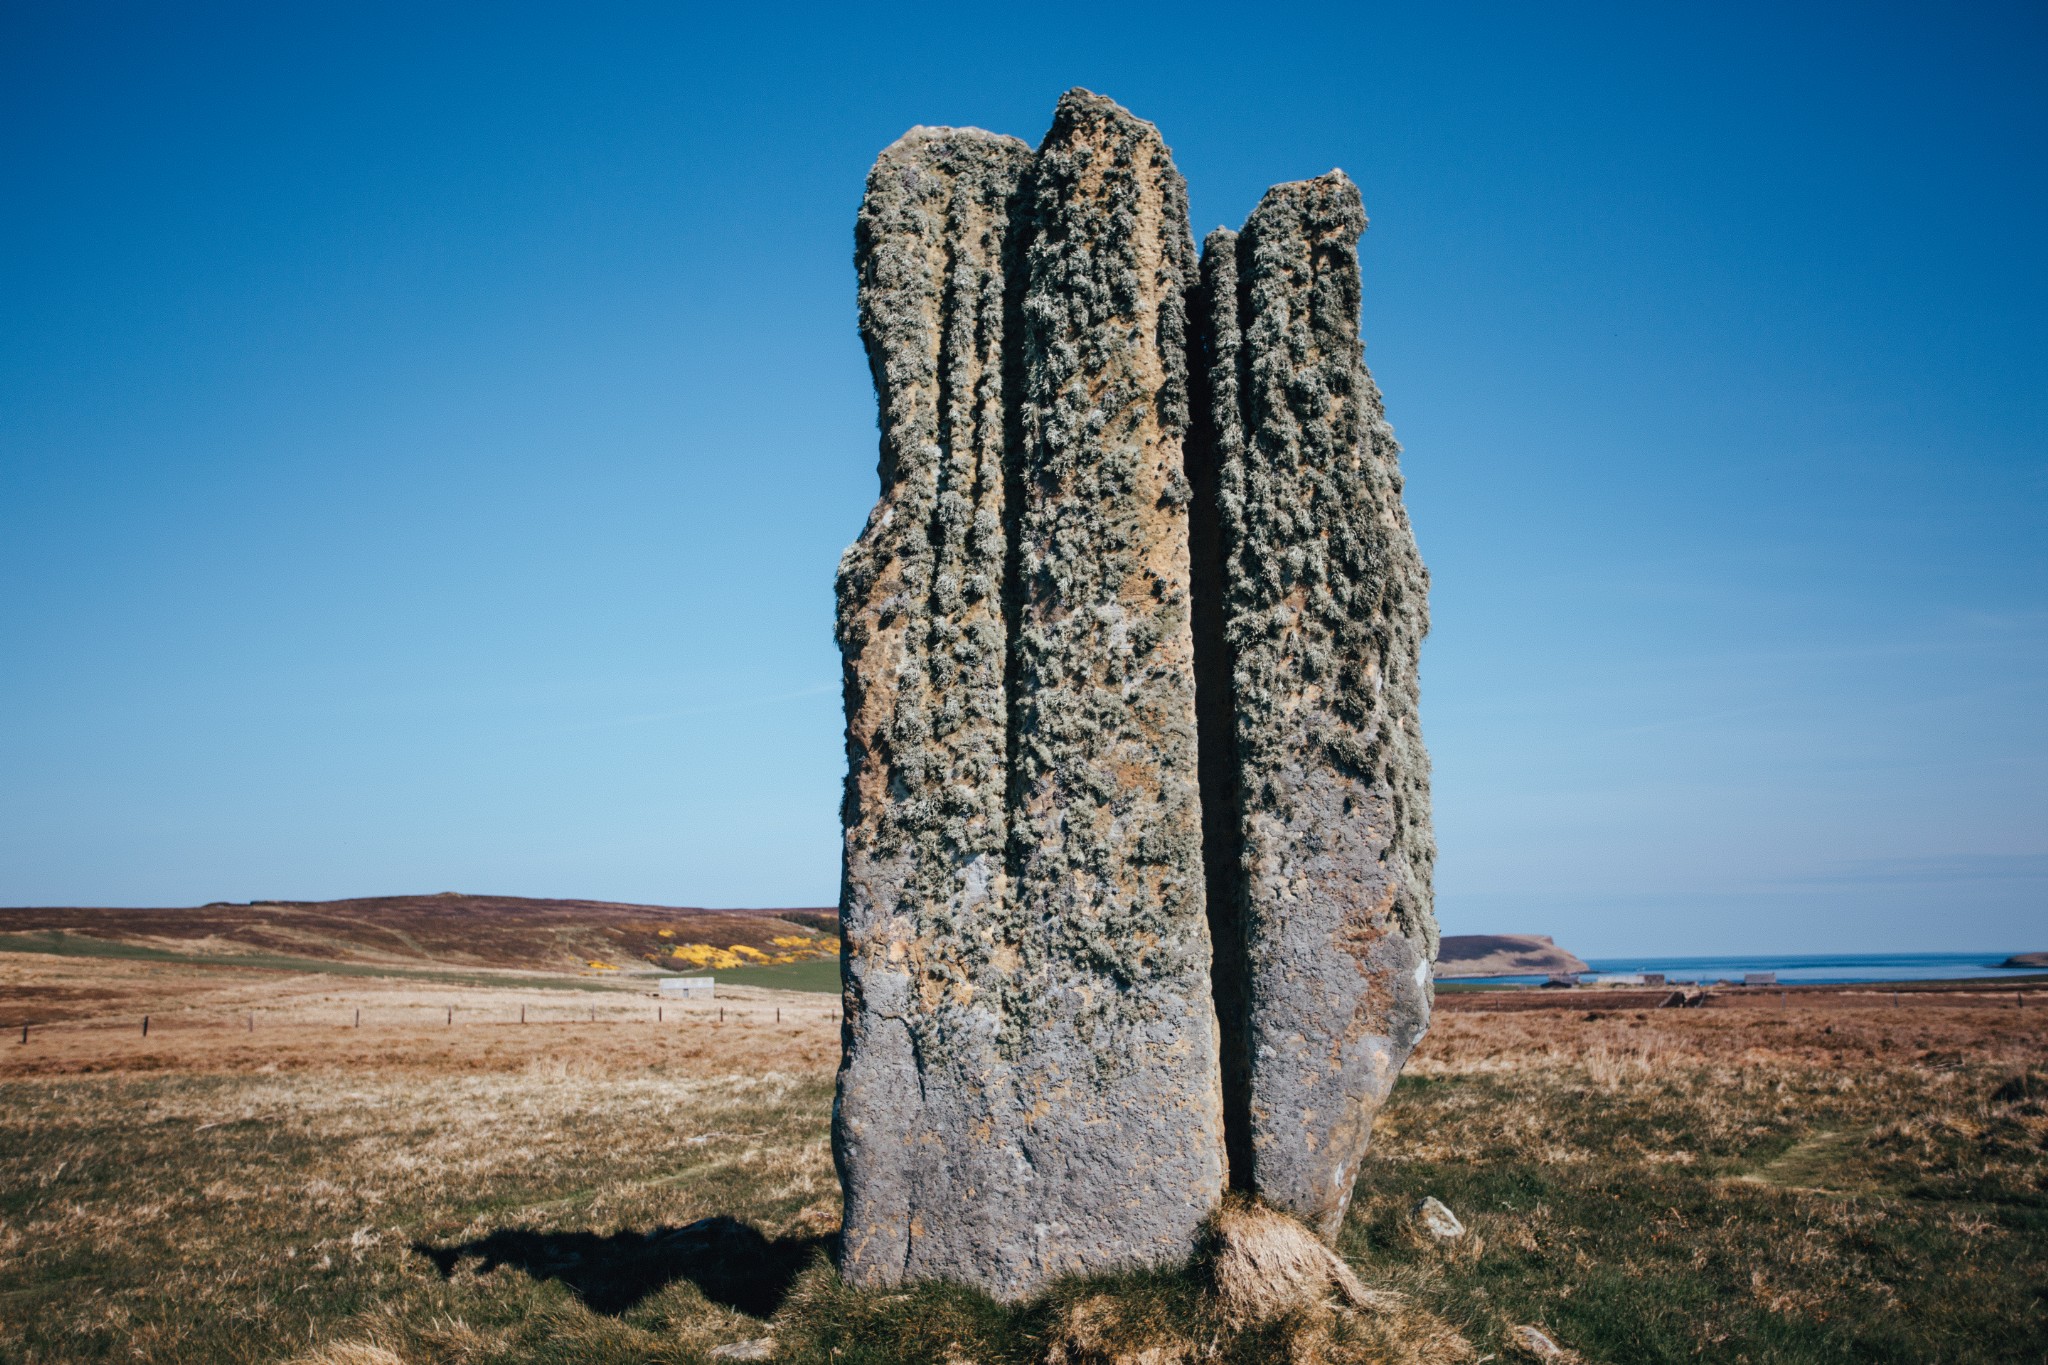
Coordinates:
(1137, 854)
(1323, 609)
(925, 1125)
(1127, 1126)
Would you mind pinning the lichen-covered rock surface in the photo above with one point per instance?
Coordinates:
(1129, 645)
(1126, 1138)
(1323, 615)
(926, 1123)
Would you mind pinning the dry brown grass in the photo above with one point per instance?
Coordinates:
(1263, 1265)
(1747, 1183)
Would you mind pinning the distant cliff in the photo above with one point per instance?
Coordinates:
(1503, 955)
(2034, 960)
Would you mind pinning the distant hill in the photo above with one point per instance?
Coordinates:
(453, 929)
(1503, 955)
(2035, 960)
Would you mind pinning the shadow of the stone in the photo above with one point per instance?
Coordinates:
(732, 1263)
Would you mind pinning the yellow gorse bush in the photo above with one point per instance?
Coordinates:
(704, 955)
(802, 949)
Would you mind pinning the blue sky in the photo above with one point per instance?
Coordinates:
(427, 433)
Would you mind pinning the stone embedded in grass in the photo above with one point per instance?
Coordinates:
(1322, 613)
(925, 1128)
(760, 1348)
(1533, 1343)
(1030, 1086)
(1113, 1018)
(1131, 726)
(1435, 1218)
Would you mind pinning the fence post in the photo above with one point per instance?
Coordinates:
(145, 1026)
(522, 1014)
(451, 1015)
(657, 1014)
(721, 1014)
(24, 1033)
(252, 1023)
(359, 1018)
(778, 1014)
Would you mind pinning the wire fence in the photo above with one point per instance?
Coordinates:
(419, 1017)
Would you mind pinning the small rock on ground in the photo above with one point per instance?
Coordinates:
(1436, 1219)
(1531, 1342)
(761, 1348)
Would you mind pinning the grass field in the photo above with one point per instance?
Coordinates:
(261, 1181)
(57, 943)
(820, 975)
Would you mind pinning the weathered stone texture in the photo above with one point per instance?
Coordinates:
(1130, 644)
(1126, 1133)
(923, 1130)
(1324, 610)
(1029, 1085)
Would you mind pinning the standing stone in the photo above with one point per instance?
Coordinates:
(1324, 609)
(924, 1127)
(1125, 1134)
(1129, 646)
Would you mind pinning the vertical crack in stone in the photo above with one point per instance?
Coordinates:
(1125, 1129)
(1216, 437)
(1325, 607)
(921, 626)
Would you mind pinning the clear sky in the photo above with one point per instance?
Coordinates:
(427, 433)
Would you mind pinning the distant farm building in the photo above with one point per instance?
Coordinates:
(689, 987)
(1759, 978)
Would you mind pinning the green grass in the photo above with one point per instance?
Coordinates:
(57, 943)
(1782, 1224)
(1681, 1190)
(819, 975)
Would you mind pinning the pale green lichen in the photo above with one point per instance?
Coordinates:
(923, 633)
(1108, 868)
(1323, 608)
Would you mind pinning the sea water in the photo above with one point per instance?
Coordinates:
(1812, 968)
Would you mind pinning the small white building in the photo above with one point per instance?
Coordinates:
(1759, 978)
(690, 987)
